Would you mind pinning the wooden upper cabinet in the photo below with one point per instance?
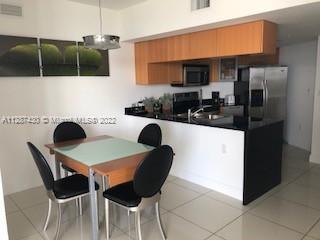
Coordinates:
(155, 59)
(148, 73)
(248, 38)
(197, 45)
(158, 50)
(141, 62)
(178, 47)
(203, 44)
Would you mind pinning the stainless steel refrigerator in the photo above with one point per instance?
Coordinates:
(263, 90)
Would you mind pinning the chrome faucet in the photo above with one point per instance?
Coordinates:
(200, 98)
(192, 114)
(200, 109)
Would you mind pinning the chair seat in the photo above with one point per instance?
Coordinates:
(123, 194)
(68, 169)
(72, 186)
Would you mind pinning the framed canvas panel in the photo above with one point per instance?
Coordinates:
(93, 62)
(19, 56)
(59, 58)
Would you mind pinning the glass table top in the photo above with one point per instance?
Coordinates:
(104, 150)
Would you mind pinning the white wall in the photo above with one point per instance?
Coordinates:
(65, 96)
(201, 157)
(156, 17)
(315, 149)
(301, 60)
(3, 220)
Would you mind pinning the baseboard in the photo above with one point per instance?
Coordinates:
(314, 158)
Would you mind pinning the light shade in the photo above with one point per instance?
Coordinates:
(102, 42)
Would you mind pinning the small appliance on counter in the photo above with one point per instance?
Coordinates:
(194, 75)
(230, 100)
(216, 101)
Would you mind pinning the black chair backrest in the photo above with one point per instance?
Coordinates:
(66, 131)
(152, 172)
(43, 166)
(151, 135)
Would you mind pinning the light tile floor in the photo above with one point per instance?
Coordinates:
(291, 211)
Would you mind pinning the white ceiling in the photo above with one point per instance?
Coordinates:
(297, 24)
(111, 4)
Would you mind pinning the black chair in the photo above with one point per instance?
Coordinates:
(67, 131)
(144, 190)
(62, 190)
(151, 135)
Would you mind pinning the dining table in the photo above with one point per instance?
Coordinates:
(114, 159)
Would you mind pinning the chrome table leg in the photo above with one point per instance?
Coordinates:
(58, 172)
(93, 206)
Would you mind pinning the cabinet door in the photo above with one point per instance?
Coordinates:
(203, 44)
(158, 50)
(240, 39)
(158, 73)
(175, 72)
(214, 71)
(141, 61)
(178, 47)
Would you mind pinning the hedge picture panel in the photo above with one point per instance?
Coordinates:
(93, 62)
(59, 58)
(18, 56)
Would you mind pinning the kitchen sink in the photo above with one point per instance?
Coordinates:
(205, 115)
(202, 115)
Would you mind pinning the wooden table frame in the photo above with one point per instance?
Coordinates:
(116, 171)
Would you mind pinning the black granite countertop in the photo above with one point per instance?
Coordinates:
(227, 122)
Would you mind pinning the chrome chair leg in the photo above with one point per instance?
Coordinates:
(80, 206)
(163, 234)
(106, 203)
(138, 225)
(48, 216)
(58, 222)
(97, 202)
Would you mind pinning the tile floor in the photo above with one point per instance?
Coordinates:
(291, 211)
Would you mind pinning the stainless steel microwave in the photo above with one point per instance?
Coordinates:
(195, 75)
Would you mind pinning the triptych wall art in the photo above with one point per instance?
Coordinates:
(23, 56)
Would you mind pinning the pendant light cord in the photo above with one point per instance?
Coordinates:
(100, 17)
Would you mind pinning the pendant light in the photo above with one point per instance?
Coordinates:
(101, 42)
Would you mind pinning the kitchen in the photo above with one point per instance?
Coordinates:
(259, 107)
(108, 97)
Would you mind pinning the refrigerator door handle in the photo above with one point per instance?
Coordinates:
(264, 97)
(267, 92)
